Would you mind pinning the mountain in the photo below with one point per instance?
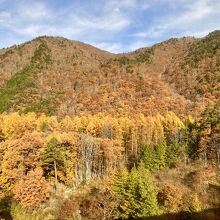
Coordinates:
(59, 76)
(134, 153)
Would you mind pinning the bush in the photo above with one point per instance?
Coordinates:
(69, 209)
(91, 208)
(170, 196)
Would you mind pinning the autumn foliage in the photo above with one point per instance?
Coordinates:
(114, 138)
(32, 189)
(84, 147)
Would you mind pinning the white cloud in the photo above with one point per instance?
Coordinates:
(109, 46)
(33, 10)
(4, 15)
(109, 23)
(195, 11)
(194, 16)
(34, 18)
(123, 4)
(25, 18)
(137, 45)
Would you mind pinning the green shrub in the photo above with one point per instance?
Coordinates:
(46, 106)
(145, 57)
(6, 53)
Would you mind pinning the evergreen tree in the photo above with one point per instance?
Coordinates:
(136, 193)
(53, 153)
(210, 117)
(175, 151)
(153, 156)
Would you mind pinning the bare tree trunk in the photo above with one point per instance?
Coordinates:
(205, 159)
(55, 170)
(218, 158)
(185, 160)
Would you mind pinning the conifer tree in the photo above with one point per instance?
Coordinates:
(53, 157)
(136, 193)
(154, 156)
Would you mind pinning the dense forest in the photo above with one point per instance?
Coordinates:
(86, 134)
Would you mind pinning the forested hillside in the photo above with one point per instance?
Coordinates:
(62, 77)
(87, 134)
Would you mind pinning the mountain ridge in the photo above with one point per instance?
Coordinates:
(73, 77)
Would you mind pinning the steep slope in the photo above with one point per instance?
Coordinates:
(25, 67)
(197, 74)
(56, 75)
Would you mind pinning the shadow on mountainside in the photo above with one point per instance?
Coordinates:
(5, 208)
(209, 214)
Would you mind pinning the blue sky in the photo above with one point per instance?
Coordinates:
(113, 25)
